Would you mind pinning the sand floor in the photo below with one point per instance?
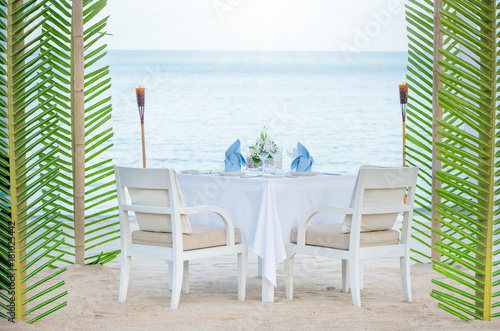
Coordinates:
(212, 301)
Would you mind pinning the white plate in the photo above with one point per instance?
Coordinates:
(273, 175)
(241, 173)
(190, 172)
(312, 173)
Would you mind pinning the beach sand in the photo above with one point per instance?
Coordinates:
(212, 301)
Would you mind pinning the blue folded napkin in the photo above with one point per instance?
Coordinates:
(234, 160)
(303, 162)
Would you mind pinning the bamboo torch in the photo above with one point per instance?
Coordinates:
(403, 99)
(140, 92)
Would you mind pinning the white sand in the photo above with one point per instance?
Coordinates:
(318, 303)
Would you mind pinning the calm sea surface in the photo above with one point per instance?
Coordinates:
(346, 112)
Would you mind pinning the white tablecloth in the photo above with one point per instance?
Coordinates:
(267, 209)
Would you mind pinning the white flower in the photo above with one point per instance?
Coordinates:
(268, 145)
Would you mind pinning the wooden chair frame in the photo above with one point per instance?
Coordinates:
(351, 257)
(177, 258)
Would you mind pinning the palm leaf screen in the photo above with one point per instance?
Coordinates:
(30, 231)
(467, 211)
(37, 152)
(101, 217)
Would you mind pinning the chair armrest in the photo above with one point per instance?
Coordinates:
(228, 222)
(301, 233)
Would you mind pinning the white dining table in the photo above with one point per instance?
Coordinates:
(266, 209)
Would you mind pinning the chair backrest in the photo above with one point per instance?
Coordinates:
(384, 189)
(153, 187)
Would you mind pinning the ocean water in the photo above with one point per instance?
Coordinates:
(345, 111)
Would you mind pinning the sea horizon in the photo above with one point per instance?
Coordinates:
(249, 51)
(199, 102)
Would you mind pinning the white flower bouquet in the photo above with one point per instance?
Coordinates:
(264, 145)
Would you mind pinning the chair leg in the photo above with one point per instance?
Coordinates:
(242, 274)
(124, 276)
(178, 270)
(170, 274)
(289, 264)
(345, 276)
(185, 278)
(362, 266)
(405, 277)
(354, 280)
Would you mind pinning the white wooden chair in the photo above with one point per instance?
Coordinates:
(159, 206)
(377, 200)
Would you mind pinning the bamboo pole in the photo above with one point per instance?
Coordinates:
(143, 146)
(485, 257)
(15, 163)
(78, 126)
(404, 146)
(437, 114)
(403, 100)
(404, 149)
(141, 102)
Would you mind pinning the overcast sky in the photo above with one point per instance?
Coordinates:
(303, 25)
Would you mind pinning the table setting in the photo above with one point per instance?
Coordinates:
(262, 158)
(265, 201)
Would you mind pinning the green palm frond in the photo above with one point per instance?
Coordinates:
(467, 151)
(28, 122)
(103, 224)
(100, 211)
(420, 27)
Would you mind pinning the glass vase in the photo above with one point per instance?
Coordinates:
(269, 166)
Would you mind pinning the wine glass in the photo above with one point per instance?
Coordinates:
(276, 150)
(264, 151)
(291, 149)
(263, 148)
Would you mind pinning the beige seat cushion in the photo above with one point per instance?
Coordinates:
(331, 236)
(203, 236)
